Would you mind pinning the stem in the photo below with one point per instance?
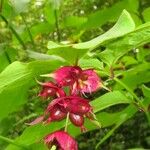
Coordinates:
(111, 73)
(67, 121)
(1, 5)
(110, 132)
(127, 88)
(57, 25)
(28, 30)
(14, 32)
(138, 102)
(25, 118)
(7, 56)
(10, 141)
(140, 10)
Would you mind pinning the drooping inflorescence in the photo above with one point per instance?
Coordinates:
(70, 104)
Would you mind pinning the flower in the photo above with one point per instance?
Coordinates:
(72, 104)
(84, 81)
(62, 140)
(89, 81)
(57, 110)
(77, 108)
(67, 75)
(50, 89)
(55, 114)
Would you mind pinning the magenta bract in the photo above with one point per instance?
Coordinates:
(84, 81)
(78, 83)
(62, 140)
(56, 114)
(50, 89)
(72, 104)
(77, 120)
(67, 75)
(90, 81)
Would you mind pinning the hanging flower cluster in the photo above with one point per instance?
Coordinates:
(70, 105)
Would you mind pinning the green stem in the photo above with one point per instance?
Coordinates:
(7, 55)
(25, 118)
(1, 5)
(67, 121)
(140, 10)
(137, 101)
(10, 141)
(14, 32)
(106, 136)
(57, 25)
(127, 88)
(110, 132)
(28, 30)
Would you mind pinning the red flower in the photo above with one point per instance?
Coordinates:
(89, 81)
(67, 75)
(72, 104)
(77, 108)
(84, 81)
(55, 114)
(62, 140)
(50, 89)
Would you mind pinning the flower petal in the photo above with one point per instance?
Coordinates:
(67, 75)
(63, 140)
(90, 81)
(36, 121)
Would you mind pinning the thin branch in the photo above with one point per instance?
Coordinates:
(7, 56)
(1, 6)
(137, 101)
(14, 32)
(140, 10)
(28, 30)
(57, 25)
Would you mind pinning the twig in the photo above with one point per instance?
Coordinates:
(14, 32)
(57, 25)
(28, 30)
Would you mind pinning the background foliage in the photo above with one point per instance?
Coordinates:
(111, 36)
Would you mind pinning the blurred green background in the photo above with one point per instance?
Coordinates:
(25, 28)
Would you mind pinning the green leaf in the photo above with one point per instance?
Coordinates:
(20, 77)
(103, 16)
(146, 14)
(20, 6)
(72, 52)
(65, 51)
(146, 91)
(90, 63)
(109, 99)
(119, 47)
(136, 76)
(36, 30)
(74, 21)
(56, 4)
(35, 133)
(49, 14)
(41, 56)
(124, 25)
(8, 10)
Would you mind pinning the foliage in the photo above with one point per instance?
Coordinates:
(37, 37)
